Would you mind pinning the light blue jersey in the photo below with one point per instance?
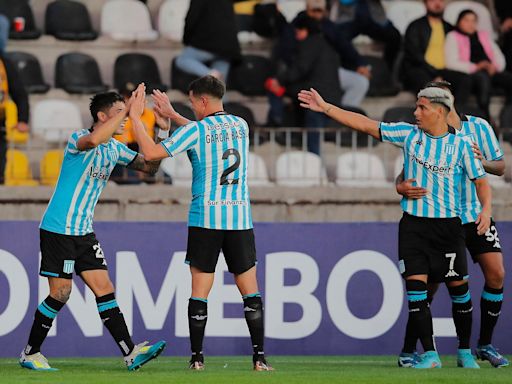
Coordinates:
(218, 148)
(82, 178)
(481, 133)
(438, 164)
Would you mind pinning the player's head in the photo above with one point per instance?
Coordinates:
(205, 95)
(435, 8)
(443, 84)
(432, 107)
(105, 105)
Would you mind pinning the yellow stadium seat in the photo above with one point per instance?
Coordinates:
(17, 169)
(50, 166)
(11, 119)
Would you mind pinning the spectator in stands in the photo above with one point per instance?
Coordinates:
(368, 17)
(11, 87)
(314, 64)
(354, 73)
(504, 12)
(474, 52)
(424, 57)
(5, 25)
(210, 39)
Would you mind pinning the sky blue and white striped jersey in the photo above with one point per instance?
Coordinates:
(480, 132)
(218, 148)
(82, 177)
(438, 164)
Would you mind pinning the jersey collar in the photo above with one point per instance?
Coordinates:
(218, 113)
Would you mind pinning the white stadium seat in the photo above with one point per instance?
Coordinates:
(257, 171)
(402, 12)
(360, 169)
(179, 169)
(127, 20)
(290, 8)
(453, 9)
(300, 169)
(55, 119)
(497, 181)
(171, 19)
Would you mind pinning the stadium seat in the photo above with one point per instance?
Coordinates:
(55, 119)
(179, 79)
(382, 82)
(13, 9)
(506, 122)
(242, 111)
(136, 68)
(402, 12)
(184, 110)
(30, 71)
(360, 169)
(497, 181)
(171, 19)
(127, 20)
(290, 8)
(17, 169)
(50, 166)
(78, 73)
(249, 75)
(399, 114)
(300, 169)
(179, 169)
(11, 119)
(257, 174)
(471, 110)
(454, 8)
(69, 20)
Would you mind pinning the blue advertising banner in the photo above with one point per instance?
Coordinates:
(327, 288)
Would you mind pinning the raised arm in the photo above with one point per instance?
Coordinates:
(164, 108)
(312, 100)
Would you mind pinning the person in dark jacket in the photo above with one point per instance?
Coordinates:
(210, 39)
(424, 57)
(314, 65)
(504, 12)
(11, 87)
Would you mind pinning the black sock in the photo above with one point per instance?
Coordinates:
(253, 310)
(197, 317)
(490, 310)
(462, 311)
(419, 313)
(411, 337)
(113, 319)
(43, 319)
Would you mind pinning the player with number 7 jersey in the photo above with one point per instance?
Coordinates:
(217, 145)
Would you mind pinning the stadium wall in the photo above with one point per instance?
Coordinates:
(328, 289)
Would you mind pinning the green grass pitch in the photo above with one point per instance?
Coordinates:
(238, 370)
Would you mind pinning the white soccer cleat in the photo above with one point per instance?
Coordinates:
(36, 361)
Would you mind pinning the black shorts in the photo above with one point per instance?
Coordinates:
(204, 246)
(433, 247)
(61, 254)
(477, 245)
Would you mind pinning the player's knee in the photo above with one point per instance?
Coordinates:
(416, 293)
(61, 292)
(496, 277)
(104, 288)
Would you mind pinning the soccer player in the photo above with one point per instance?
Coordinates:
(431, 238)
(220, 214)
(484, 249)
(67, 239)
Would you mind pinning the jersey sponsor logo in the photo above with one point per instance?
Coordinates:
(68, 266)
(443, 170)
(449, 149)
(100, 173)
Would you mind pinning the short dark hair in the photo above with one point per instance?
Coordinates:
(208, 85)
(464, 13)
(103, 102)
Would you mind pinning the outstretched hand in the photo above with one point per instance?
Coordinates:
(312, 100)
(137, 102)
(163, 105)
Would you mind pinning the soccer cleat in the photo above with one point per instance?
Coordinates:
(262, 365)
(407, 360)
(489, 353)
(37, 362)
(196, 365)
(429, 359)
(142, 353)
(466, 360)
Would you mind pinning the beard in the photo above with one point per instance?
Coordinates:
(438, 14)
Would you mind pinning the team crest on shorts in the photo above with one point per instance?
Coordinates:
(449, 149)
(68, 266)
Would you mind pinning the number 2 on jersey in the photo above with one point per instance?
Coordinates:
(232, 168)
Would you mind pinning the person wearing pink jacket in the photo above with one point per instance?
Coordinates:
(475, 53)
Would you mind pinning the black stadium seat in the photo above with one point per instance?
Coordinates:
(30, 71)
(249, 75)
(396, 114)
(69, 20)
(20, 8)
(136, 68)
(242, 111)
(78, 73)
(179, 79)
(184, 110)
(382, 82)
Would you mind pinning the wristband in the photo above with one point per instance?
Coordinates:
(163, 134)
